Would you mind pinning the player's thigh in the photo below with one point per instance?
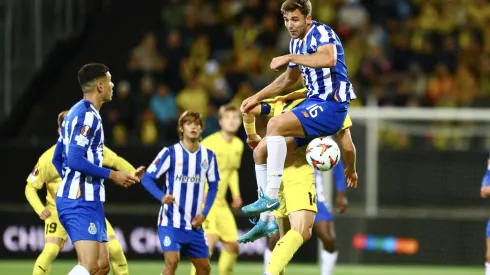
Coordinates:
(211, 240)
(287, 125)
(227, 228)
(302, 222)
(320, 118)
(299, 189)
(54, 232)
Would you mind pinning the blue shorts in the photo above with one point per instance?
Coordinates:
(319, 118)
(82, 220)
(323, 213)
(488, 229)
(190, 243)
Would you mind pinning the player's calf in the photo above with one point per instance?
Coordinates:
(324, 231)
(202, 265)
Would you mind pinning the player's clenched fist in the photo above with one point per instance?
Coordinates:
(253, 141)
(248, 104)
(168, 199)
(123, 178)
(45, 214)
(198, 220)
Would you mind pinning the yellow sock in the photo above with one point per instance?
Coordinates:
(119, 264)
(283, 252)
(193, 269)
(47, 257)
(226, 263)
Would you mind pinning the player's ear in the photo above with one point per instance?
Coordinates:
(309, 20)
(100, 86)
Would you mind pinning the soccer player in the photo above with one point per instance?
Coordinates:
(78, 158)
(44, 173)
(187, 166)
(298, 205)
(485, 193)
(220, 223)
(323, 224)
(317, 54)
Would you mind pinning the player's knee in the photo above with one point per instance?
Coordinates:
(171, 263)
(329, 245)
(306, 234)
(232, 247)
(104, 268)
(204, 268)
(260, 153)
(91, 265)
(274, 126)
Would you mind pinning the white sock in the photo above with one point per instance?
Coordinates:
(328, 262)
(267, 258)
(487, 268)
(267, 216)
(261, 175)
(276, 156)
(79, 270)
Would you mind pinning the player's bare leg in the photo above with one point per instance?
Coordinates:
(202, 265)
(52, 246)
(172, 259)
(326, 232)
(301, 227)
(211, 240)
(88, 257)
(104, 266)
(227, 258)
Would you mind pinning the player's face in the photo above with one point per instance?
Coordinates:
(296, 23)
(192, 130)
(230, 121)
(106, 87)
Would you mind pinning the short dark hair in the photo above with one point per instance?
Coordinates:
(189, 116)
(90, 72)
(61, 117)
(304, 6)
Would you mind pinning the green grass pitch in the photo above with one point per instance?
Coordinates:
(21, 267)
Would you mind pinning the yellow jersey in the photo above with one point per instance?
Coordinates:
(229, 157)
(44, 173)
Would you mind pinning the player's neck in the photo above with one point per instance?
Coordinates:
(92, 97)
(227, 136)
(190, 145)
(308, 28)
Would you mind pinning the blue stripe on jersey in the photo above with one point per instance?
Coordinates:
(195, 192)
(183, 187)
(171, 179)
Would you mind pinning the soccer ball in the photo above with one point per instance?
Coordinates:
(323, 153)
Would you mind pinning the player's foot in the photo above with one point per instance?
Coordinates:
(263, 204)
(261, 229)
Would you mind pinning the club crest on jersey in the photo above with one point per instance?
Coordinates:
(205, 165)
(166, 241)
(85, 130)
(92, 229)
(35, 171)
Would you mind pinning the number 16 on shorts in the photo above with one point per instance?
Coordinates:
(313, 110)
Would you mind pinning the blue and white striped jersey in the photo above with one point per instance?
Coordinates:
(82, 128)
(186, 175)
(323, 83)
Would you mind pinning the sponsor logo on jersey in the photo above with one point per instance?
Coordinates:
(193, 179)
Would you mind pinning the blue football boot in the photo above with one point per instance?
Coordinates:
(261, 229)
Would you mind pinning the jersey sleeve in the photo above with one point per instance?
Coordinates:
(324, 36)
(292, 50)
(84, 128)
(160, 165)
(111, 159)
(213, 171)
(43, 172)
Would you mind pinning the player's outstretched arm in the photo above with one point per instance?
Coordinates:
(340, 186)
(157, 168)
(485, 184)
(213, 179)
(349, 152)
(325, 57)
(150, 185)
(285, 80)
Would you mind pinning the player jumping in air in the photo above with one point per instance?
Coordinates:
(187, 166)
(78, 158)
(220, 223)
(317, 54)
(44, 173)
(485, 193)
(297, 195)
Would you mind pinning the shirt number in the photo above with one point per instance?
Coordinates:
(313, 110)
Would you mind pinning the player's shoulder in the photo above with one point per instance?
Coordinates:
(47, 157)
(207, 151)
(211, 138)
(83, 108)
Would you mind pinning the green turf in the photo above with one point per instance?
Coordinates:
(154, 268)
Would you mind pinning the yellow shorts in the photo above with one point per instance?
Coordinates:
(53, 227)
(221, 222)
(297, 191)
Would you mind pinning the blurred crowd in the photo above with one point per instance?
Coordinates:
(205, 53)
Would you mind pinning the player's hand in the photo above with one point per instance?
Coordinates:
(342, 202)
(140, 172)
(45, 214)
(351, 177)
(485, 192)
(198, 220)
(168, 199)
(237, 202)
(249, 103)
(278, 62)
(253, 141)
(122, 178)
